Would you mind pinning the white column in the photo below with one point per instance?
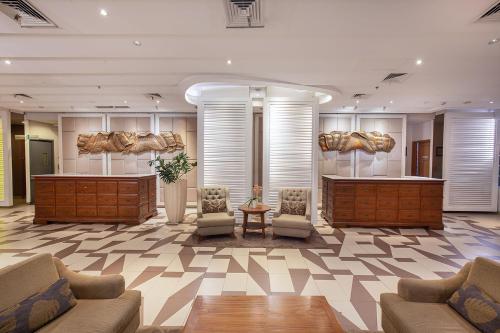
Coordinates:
(5, 161)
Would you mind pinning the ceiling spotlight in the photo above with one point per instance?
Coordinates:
(491, 102)
(125, 102)
(157, 101)
(137, 43)
(7, 62)
(419, 62)
(494, 41)
(103, 12)
(391, 102)
(357, 101)
(229, 62)
(21, 101)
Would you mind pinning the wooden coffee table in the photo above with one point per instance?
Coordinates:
(261, 314)
(258, 210)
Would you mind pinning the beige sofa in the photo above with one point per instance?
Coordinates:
(420, 305)
(103, 304)
(218, 223)
(293, 225)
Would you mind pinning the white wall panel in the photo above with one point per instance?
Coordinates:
(225, 147)
(290, 140)
(470, 162)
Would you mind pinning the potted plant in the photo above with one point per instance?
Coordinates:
(172, 173)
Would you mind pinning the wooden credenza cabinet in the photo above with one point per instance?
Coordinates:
(101, 199)
(378, 202)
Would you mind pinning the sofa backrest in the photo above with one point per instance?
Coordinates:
(485, 273)
(21, 280)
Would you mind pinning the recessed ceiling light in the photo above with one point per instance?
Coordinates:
(419, 62)
(157, 101)
(229, 62)
(391, 102)
(137, 43)
(494, 41)
(21, 102)
(7, 62)
(103, 12)
(357, 101)
(491, 102)
(125, 102)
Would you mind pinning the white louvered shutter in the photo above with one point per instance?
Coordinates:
(470, 166)
(289, 139)
(226, 158)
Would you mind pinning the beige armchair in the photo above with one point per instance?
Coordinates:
(293, 213)
(215, 215)
(103, 304)
(420, 305)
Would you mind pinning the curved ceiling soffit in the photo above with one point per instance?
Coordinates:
(192, 86)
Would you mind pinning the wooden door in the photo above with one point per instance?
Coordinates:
(420, 164)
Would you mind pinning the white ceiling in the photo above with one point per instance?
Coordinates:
(350, 45)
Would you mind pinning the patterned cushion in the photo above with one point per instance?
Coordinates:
(213, 206)
(477, 308)
(293, 207)
(38, 309)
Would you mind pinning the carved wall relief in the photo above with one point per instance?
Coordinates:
(128, 142)
(370, 142)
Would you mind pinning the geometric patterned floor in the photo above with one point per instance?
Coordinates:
(358, 265)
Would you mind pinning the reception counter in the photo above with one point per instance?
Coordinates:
(383, 202)
(128, 199)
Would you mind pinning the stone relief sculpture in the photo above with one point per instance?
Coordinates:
(128, 142)
(370, 142)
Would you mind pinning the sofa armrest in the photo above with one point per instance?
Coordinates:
(432, 291)
(199, 206)
(91, 287)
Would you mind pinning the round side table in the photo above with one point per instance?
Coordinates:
(258, 210)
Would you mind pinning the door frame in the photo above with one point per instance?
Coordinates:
(414, 156)
(28, 162)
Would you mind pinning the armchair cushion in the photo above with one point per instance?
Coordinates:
(38, 309)
(293, 207)
(213, 206)
(215, 220)
(476, 307)
(292, 221)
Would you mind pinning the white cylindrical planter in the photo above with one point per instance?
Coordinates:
(175, 197)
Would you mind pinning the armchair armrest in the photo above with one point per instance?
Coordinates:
(91, 287)
(229, 208)
(432, 291)
(199, 207)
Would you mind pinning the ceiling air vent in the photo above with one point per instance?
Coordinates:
(359, 96)
(394, 76)
(492, 14)
(22, 96)
(244, 13)
(110, 107)
(25, 14)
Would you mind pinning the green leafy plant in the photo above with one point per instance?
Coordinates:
(172, 171)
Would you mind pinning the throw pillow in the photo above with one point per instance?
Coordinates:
(38, 309)
(293, 207)
(477, 308)
(213, 206)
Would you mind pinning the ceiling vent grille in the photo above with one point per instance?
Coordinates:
(244, 14)
(394, 76)
(492, 14)
(360, 96)
(112, 107)
(22, 96)
(25, 14)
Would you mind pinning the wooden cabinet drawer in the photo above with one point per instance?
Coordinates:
(409, 191)
(386, 190)
(344, 202)
(86, 187)
(128, 211)
(431, 216)
(65, 200)
(127, 187)
(143, 186)
(128, 199)
(387, 203)
(89, 211)
(65, 211)
(366, 189)
(389, 215)
(432, 191)
(45, 211)
(106, 187)
(107, 211)
(366, 202)
(432, 203)
(409, 215)
(107, 199)
(343, 214)
(365, 214)
(86, 199)
(344, 189)
(409, 203)
(45, 199)
(44, 187)
(65, 187)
